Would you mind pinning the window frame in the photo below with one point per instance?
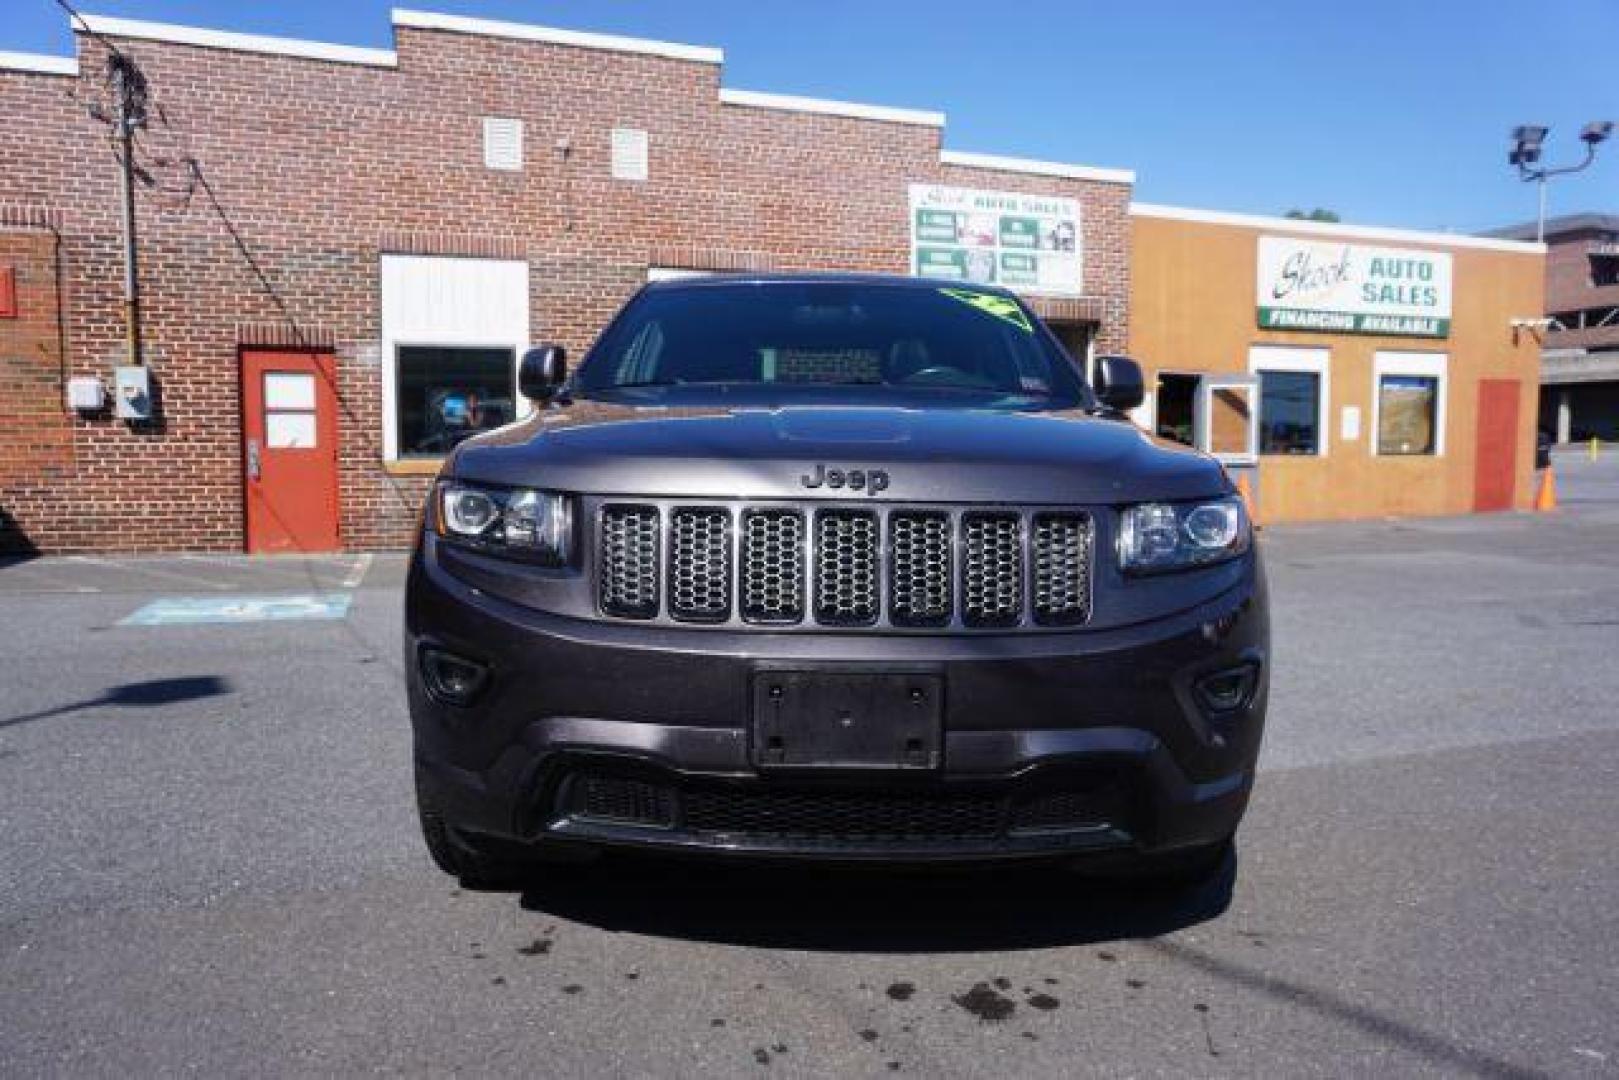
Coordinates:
(1413, 365)
(504, 326)
(266, 410)
(1303, 360)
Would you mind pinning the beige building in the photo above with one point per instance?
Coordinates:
(1348, 372)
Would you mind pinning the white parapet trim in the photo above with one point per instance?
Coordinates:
(1037, 168)
(460, 24)
(38, 63)
(224, 39)
(758, 99)
(1335, 229)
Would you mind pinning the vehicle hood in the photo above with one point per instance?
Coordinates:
(929, 454)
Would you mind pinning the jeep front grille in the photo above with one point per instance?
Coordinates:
(1062, 569)
(916, 568)
(919, 577)
(700, 564)
(629, 561)
(992, 578)
(846, 567)
(773, 566)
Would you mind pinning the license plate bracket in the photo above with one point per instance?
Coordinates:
(847, 720)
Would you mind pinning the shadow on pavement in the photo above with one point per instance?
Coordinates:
(1382, 1027)
(882, 910)
(155, 692)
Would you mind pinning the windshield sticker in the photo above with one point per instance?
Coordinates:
(1000, 307)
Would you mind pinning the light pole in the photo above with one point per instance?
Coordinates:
(1525, 154)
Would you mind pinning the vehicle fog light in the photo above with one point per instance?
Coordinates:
(451, 679)
(1228, 690)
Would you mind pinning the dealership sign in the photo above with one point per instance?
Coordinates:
(1352, 288)
(1026, 242)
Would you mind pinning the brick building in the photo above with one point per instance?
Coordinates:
(371, 237)
(542, 173)
(1579, 366)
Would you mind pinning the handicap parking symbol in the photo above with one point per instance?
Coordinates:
(196, 610)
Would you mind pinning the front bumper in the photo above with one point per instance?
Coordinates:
(605, 734)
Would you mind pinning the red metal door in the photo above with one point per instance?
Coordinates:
(289, 452)
(1496, 462)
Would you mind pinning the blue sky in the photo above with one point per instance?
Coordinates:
(1391, 113)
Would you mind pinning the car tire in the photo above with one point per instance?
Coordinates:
(472, 868)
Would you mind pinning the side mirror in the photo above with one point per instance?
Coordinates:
(542, 371)
(1118, 383)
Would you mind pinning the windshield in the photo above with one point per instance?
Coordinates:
(796, 340)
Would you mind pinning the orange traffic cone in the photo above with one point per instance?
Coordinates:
(1546, 495)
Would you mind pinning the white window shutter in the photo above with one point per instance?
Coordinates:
(629, 154)
(502, 143)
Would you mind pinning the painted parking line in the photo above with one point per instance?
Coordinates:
(122, 568)
(28, 577)
(286, 571)
(357, 572)
(194, 610)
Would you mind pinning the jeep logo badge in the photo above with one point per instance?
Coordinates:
(871, 481)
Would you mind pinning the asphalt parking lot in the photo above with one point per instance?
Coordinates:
(209, 860)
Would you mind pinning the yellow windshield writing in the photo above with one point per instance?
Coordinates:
(1001, 307)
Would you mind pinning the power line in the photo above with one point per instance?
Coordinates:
(130, 100)
(135, 107)
(248, 257)
(75, 17)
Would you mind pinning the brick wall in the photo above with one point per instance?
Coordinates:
(36, 440)
(324, 166)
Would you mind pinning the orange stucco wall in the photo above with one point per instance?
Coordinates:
(1193, 308)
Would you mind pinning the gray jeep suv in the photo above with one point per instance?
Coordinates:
(839, 567)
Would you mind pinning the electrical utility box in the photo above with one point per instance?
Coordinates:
(132, 394)
(86, 394)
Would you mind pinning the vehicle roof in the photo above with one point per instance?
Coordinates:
(817, 277)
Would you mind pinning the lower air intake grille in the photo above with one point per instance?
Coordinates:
(851, 815)
(629, 561)
(616, 798)
(1071, 801)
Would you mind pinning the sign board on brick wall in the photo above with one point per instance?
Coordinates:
(1030, 243)
(1352, 288)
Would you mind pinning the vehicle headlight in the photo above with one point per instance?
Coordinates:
(533, 525)
(1158, 537)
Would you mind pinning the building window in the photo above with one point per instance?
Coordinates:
(1409, 402)
(1293, 396)
(448, 394)
(452, 329)
(1408, 410)
(1289, 412)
